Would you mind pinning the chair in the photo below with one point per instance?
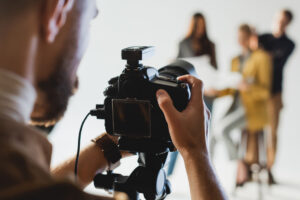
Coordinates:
(253, 150)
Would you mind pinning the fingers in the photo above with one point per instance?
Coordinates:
(207, 124)
(207, 118)
(196, 87)
(166, 105)
(208, 113)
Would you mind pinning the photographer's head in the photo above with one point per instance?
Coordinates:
(281, 22)
(244, 35)
(44, 41)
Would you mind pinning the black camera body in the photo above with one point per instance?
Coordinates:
(131, 112)
(130, 108)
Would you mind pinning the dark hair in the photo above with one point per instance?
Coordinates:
(288, 14)
(206, 44)
(193, 26)
(245, 28)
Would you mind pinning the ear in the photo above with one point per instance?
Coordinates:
(54, 17)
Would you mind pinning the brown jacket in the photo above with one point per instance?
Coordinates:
(25, 156)
(257, 70)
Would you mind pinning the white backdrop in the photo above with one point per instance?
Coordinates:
(163, 23)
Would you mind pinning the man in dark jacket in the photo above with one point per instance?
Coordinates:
(280, 46)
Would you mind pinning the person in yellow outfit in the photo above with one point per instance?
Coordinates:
(253, 94)
(255, 98)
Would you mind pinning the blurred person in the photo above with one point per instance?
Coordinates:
(42, 43)
(280, 46)
(253, 95)
(196, 43)
(235, 117)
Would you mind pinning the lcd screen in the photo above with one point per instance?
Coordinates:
(131, 118)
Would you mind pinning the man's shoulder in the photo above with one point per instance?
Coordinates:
(265, 35)
(290, 42)
(12, 125)
(59, 190)
(10, 128)
(24, 152)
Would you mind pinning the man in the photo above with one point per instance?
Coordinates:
(280, 47)
(42, 43)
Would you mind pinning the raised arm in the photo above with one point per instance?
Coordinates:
(91, 160)
(189, 130)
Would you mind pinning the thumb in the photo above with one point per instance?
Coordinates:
(166, 105)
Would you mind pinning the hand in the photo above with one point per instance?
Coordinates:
(189, 128)
(211, 92)
(243, 86)
(115, 139)
(189, 131)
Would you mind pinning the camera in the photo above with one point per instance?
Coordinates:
(131, 111)
(130, 108)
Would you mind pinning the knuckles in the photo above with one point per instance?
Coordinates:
(198, 83)
(164, 102)
(194, 81)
